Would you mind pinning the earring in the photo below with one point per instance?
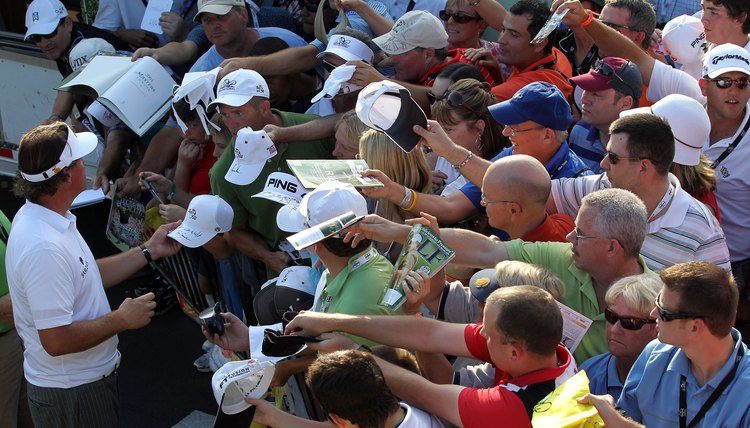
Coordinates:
(479, 143)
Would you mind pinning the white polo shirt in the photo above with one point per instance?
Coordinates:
(54, 281)
(417, 418)
(733, 190)
(687, 231)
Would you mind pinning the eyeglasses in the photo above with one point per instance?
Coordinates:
(36, 38)
(668, 316)
(726, 82)
(626, 322)
(577, 234)
(458, 17)
(328, 66)
(617, 26)
(614, 158)
(484, 202)
(456, 100)
(514, 131)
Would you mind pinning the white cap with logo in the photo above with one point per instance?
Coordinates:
(348, 48)
(725, 58)
(206, 216)
(78, 145)
(239, 87)
(43, 17)
(416, 29)
(237, 380)
(251, 151)
(87, 49)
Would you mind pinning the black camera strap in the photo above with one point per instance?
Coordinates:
(714, 396)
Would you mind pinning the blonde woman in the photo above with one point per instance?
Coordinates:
(699, 181)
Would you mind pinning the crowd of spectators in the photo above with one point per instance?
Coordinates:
(590, 168)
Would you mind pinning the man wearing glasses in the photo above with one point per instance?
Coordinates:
(49, 27)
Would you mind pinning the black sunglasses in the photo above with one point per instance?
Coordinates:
(626, 322)
(456, 100)
(36, 38)
(668, 316)
(606, 70)
(617, 26)
(458, 17)
(432, 97)
(329, 67)
(726, 82)
(614, 158)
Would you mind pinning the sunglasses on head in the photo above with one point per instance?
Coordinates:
(614, 158)
(726, 82)
(36, 38)
(458, 17)
(456, 100)
(668, 316)
(627, 323)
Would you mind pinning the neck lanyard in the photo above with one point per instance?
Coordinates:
(663, 206)
(732, 146)
(712, 399)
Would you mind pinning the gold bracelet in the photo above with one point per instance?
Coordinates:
(413, 200)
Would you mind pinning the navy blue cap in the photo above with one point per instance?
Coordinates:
(539, 102)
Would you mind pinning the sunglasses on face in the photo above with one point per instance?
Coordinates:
(328, 66)
(726, 82)
(36, 38)
(458, 17)
(668, 316)
(614, 158)
(626, 322)
(617, 26)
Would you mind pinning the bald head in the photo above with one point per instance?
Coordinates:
(521, 177)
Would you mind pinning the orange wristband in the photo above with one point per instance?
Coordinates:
(588, 20)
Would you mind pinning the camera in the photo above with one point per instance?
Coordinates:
(212, 320)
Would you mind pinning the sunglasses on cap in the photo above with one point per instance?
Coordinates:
(627, 323)
(668, 316)
(726, 82)
(458, 17)
(614, 158)
(606, 70)
(36, 38)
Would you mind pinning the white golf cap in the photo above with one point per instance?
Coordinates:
(206, 216)
(689, 122)
(416, 29)
(43, 17)
(331, 199)
(282, 188)
(239, 87)
(251, 151)
(237, 380)
(78, 145)
(348, 48)
(685, 39)
(725, 58)
(87, 49)
(217, 7)
(389, 107)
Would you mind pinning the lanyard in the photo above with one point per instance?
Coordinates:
(663, 206)
(712, 399)
(732, 146)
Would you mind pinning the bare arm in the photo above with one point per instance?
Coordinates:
(322, 127)
(492, 12)
(377, 23)
(173, 53)
(287, 61)
(251, 245)
(6, 309)
(435, 367)
(474, 249)
(160, 155)
(62, 107)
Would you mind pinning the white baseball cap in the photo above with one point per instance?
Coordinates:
(689, 122)
(685, 39)
(43, 17)
(217, 7)
(292, 290)
(287, 190)
(206, 216)
(239, 87)
(725, 58)
(331, 199)
(348, 48)
(78, 145)
(237, 380)
(251, 151)
(389, 107)
(87, 49)
(416, 29)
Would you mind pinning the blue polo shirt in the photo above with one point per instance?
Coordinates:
(584, 141)
(564, 164)
(652, 390)
(602, 373)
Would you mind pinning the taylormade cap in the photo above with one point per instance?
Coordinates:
(685, 39)
(78, 145)
(689, 122)
(416, 29)
(217, 7)
(482, 284)
(725, 58)
(612, 73)
(539, 102)
(292, 290)
(43, 17)
(237, 380)
(389, 107)
(251, 151)
(239, 87)
(348, 48)
(206, 216)
(87, 49)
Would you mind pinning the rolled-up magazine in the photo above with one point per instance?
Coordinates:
(324, 230)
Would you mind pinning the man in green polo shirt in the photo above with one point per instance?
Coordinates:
(243, 101)
(604, 247)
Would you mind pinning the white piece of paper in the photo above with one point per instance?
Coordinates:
(154, 9)
(88, 197)
(575, 326)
